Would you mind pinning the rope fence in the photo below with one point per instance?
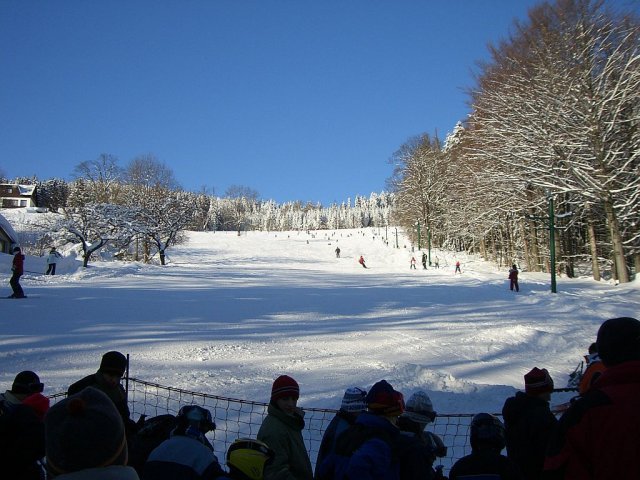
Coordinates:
(235, 418)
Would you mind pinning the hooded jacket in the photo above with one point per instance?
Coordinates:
(283, 434)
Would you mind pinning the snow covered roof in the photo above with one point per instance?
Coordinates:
(26, 189)
(8, 229)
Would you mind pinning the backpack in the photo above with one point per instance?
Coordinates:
(154, 431)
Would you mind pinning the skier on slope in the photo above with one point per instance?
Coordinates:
(17, 269)
(361, 261)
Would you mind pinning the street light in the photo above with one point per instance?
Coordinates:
(419, 245)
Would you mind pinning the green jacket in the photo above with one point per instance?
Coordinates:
(283, 434)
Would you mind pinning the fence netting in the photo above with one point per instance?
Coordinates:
(235, 418)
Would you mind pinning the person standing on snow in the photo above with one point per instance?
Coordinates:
(52, 259)
(424, 261)
(529, 423)
(361, 261)
(337, 252)
(457, 270)
(17, 268)
(513, 279)
(413, 263)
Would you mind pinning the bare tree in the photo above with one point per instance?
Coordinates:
(103, 179)
(240, 200)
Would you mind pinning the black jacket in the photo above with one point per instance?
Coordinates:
(529, 424)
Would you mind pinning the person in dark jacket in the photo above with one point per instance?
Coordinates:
(17, 269)
(107, 379)
(353, 404)
(421, 448)
(597, 436)
(22, 411)
(529, 423)
(513, 279)
(487, 440)
(281, 430)
(370, 448)
(85, 439)
(187, 454)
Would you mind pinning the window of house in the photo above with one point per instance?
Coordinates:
(23, 203)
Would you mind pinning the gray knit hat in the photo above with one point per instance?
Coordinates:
(419, 408)
(84, 431)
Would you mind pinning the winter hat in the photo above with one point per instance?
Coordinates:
(354, 400)
(284, 386)
(39, 403)
(84, 431)
(382, 399)
(419, 408)
(619, 340)
(538, 381)
(113, 363)
(16, 249)
(27, 382)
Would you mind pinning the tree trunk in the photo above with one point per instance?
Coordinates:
(591, 232)
(616, 243)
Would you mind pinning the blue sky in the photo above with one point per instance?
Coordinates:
(297, 99)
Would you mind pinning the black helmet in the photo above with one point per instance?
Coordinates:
(249, 457)
(487, 430)
(196, 416)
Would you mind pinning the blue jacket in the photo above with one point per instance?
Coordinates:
(365, 451)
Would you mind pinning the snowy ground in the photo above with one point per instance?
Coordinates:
(230, 313)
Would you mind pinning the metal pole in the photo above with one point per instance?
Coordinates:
(397, 238)
(429, 243)
(419, 245)
(552, 246)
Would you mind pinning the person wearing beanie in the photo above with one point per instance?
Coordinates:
(597, 437)
(107, 379)
(487, 439)
(369, 448)
(281, 430)
(22, 409)
(17, 269)
(421, 447)
(85, 439)
(187, 453)
(353, 403)
(529, 423)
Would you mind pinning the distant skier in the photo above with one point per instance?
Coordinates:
(361, 261)
(337, 252)
(457, 270)
(413, 263)
(18, 269)
(513, 277)
(52, 259)
(424, 261)
(436, 262)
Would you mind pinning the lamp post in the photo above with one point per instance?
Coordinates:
(429, 242)
(419, 245)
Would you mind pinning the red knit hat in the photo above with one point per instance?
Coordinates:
(538, 381)
(382, 399)
(284, 386)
